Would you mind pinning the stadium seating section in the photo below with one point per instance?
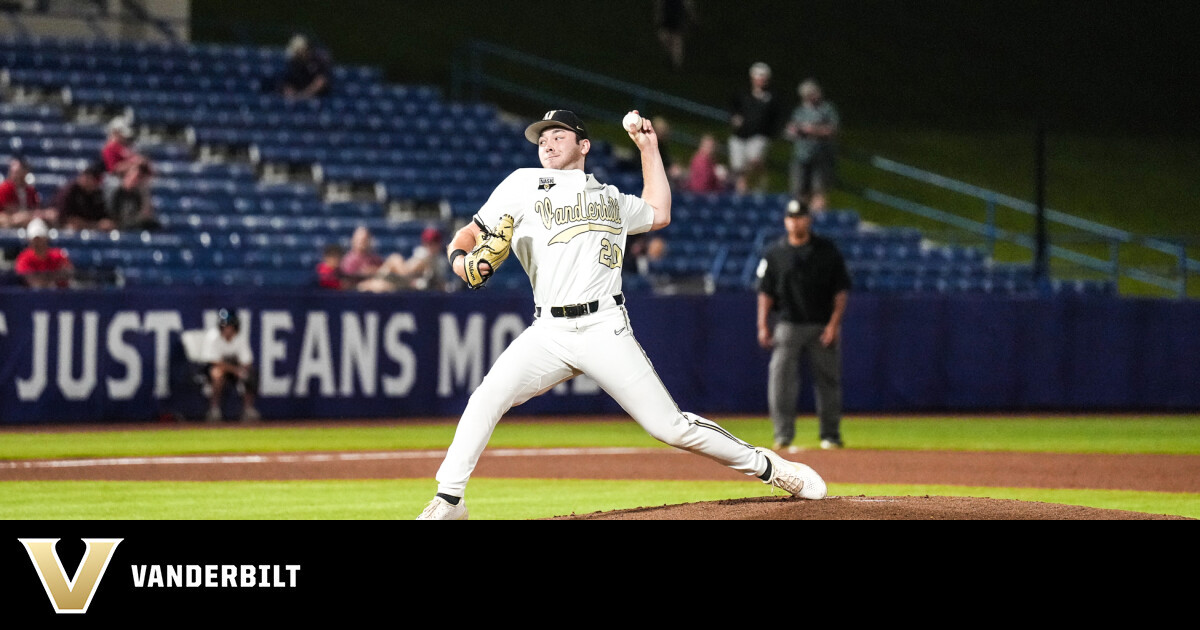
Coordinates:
(210, 120)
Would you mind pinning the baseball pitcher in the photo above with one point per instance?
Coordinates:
(568, 231)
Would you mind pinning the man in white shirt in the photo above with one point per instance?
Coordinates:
(230, 363)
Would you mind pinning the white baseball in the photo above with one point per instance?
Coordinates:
(632, 122)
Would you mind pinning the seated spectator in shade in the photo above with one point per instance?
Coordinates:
(81, 204)
(42, 266)
(374, 273)
(118, 153)
(427, 267)
(309, 71)
(19, 200)
(704, 173)
(132, 207)
(329, 273)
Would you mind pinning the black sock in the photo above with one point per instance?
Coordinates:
(767, 475)
(454, 500)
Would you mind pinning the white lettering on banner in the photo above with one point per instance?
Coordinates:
(402, 383)
(316, 357)
(271, 351)
(162, 324)
(126, 355)
(460, 360)
(32, 387)
(359, 350)
(81, 388)
(111, 354)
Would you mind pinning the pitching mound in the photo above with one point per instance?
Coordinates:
(864, 508)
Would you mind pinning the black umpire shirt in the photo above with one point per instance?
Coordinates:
(803, 280)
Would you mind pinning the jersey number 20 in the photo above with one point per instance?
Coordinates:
(610, 254)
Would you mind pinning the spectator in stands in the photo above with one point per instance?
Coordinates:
(230, 363)
(309, 71)
(42, 266)
(369, 271)
(81, 204)
(812, 129)
(671, 21)
(646, 251)
(329, 273)
(132, 206)
(20, 202)
(802, 278)
(755, 117)
(705, 174)
(118, 153)
(427, 267)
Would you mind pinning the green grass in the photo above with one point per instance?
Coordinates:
(1068, 434)
(505, 499)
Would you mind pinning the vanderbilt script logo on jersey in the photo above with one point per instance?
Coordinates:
(546, 183)
(72, 595)
(585, 214)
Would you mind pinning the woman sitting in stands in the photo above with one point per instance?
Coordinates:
(368, 271)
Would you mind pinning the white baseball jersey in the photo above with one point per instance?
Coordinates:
(569, 231)
(217, 348)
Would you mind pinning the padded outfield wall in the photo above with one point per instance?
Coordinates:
(109, 356)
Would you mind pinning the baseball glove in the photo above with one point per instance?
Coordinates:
(491, 247)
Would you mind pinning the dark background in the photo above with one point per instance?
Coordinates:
(1124, 68)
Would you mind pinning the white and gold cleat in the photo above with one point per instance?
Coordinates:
(440, 509)
(795, 478)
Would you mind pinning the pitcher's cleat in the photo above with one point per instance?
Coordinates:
(793, 477)
(440, 509)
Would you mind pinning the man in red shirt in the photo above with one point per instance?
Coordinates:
(19, 201)
(118, 153)
(42, 266)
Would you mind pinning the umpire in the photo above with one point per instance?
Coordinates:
(803, 276)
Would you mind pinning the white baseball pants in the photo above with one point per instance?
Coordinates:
(601, 345)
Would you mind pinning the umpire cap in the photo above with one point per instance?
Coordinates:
(556, 118)
(797, 208)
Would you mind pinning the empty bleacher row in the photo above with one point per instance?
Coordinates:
(224, 223)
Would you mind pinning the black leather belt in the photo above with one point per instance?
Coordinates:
(578, 310)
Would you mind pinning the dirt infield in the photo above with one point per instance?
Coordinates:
(1163, 473)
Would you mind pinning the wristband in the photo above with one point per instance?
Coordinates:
(456, 253)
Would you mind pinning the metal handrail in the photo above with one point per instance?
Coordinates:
(1026, 207)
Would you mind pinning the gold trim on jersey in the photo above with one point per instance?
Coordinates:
(572, 232)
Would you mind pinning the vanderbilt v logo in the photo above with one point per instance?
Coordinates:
(74, 595)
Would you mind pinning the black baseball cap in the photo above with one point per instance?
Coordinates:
(227, 317)
(797, 208)
(556, 118)
(96, 169)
